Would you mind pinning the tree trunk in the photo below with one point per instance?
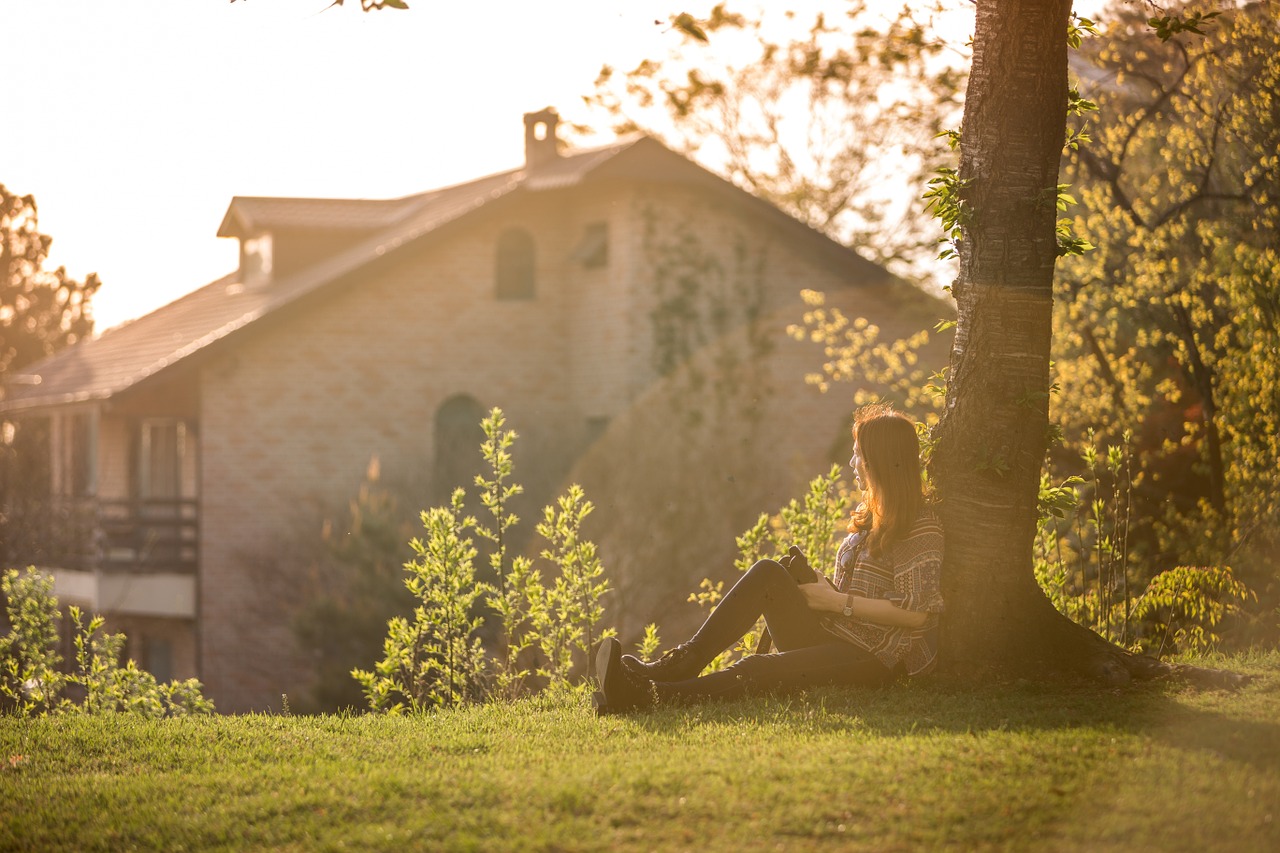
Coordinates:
(993, 436)
(994, 432)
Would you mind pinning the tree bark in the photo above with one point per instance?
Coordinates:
(992, 438)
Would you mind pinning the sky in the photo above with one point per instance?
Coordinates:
(134, 122)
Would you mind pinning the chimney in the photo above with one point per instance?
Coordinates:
(540, 143)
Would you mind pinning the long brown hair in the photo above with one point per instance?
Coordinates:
(894, 492)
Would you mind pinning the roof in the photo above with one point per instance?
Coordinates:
(124, 356)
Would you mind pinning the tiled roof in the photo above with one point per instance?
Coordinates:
(121, 357)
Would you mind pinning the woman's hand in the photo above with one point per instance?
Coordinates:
(822, 596)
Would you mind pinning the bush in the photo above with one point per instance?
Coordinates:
(436, 659)
(32, 681)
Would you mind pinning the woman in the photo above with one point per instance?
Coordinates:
(875, 620)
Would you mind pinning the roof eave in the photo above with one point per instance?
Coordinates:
(27, 405)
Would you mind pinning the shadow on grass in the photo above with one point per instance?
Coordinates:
(1159, 710)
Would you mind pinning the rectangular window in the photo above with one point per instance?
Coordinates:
(593, 249)
(80, 455)
(73, 454)
(161, 451)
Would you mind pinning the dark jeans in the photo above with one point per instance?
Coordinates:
(807, 655)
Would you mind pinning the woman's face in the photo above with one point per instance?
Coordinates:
(859, 467)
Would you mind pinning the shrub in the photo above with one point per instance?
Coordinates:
(436, 658)
(32, 683)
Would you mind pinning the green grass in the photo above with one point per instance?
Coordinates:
(1018, 766)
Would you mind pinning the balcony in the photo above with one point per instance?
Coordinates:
(112, 556)
(148, 536)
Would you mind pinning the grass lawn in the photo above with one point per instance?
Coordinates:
(921, 766)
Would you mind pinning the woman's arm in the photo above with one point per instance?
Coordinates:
(820, 596)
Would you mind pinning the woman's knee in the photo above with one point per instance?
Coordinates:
(768, 569)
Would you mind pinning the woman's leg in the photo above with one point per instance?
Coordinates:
(765, 590)
(832, 663)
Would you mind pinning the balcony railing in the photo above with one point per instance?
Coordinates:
(111, 535)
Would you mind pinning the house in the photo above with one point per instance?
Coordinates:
(190, 449)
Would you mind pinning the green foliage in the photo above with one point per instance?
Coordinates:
(1082, 562)
(518, 596)
(1077, 28)
(41, 312)
(31, 679)
(110, 686)
(571, 608)
(1185, 604)
(1170, 330)
(435, 659)
(944, 200)
(650, 643)
(883, 370)
(1168, 26)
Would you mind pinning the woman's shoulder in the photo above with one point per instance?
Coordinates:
(927, 522)
(924, 538)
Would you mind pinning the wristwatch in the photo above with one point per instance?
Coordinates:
(848, 605)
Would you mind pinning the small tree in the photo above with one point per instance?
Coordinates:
(517, 593)
(435, 659)
(31, 680)
(571, 608)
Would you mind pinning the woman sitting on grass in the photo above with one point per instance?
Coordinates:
(877, 619)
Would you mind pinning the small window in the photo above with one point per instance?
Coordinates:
(515, 264)
(593, 250)
(255, 260)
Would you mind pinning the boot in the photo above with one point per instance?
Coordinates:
(620, 689)
(675, 664)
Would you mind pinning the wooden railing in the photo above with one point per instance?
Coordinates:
(111, 535)
(150, 535)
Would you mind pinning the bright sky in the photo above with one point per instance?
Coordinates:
(134, 122)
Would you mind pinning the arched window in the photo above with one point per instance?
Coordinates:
(515, 278)
(458, 440)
